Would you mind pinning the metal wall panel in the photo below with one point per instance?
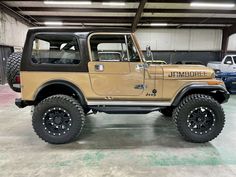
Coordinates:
(232, 43)
(180, 39)
(12, 32)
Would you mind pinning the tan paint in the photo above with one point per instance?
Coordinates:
(117, 81)
(112, 86)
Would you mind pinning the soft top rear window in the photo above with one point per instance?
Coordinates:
(55, 49)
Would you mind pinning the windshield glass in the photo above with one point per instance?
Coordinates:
(234, 57)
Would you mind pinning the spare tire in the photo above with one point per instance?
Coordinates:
(13, 70)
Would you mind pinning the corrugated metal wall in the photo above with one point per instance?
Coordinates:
(180, 39)
(232, 43)
(174, 45)
(5, 51)
(12, 32)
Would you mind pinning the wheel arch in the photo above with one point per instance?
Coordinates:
(59, 87)
(218, 92)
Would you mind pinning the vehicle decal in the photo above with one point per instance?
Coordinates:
(188, 74)
(154, 93)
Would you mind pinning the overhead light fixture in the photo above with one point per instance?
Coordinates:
(221, 5)
(68, 2)
(53, 23)
(113, 3)
(158, 24)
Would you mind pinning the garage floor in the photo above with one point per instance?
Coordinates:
(113, 145)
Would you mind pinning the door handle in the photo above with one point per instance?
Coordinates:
(99, 67)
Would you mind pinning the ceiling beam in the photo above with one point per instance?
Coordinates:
(179, 27)
(189, 1)
(214, 11)
(138, 15)
(148, 27)
(83, 19)
(187, 20)
(121, 10)
(75, 9)
(77, 0)
(16, 15)
(143, 20)
(149, 1)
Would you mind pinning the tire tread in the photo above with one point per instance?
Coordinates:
(13, 69)
(195, 98)
(69, 99)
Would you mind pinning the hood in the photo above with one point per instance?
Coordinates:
(187, 72)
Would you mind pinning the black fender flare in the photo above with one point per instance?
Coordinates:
(72, 86)
(214, 89)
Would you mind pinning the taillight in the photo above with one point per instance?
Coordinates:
(18, 79)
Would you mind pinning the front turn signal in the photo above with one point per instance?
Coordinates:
(215, 82)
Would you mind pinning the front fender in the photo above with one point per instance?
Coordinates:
(219, 92)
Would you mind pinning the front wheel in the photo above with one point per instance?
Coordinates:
(58, 119)
(199, 118)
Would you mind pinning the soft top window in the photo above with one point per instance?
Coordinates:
(113, 48)
(228, 59)
(55, 49)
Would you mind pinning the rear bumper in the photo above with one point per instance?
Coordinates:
(22, 103)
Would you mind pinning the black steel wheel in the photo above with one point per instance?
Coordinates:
(58, 119)
(199, 118)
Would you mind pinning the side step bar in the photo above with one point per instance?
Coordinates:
(124, 110)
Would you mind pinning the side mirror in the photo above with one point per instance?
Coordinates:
(148, 51)
(229, 63)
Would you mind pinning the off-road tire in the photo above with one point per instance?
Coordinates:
(75, 112)
(167, 111)
(13, 69)
(191, 102)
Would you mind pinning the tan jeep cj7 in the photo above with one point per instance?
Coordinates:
(67, 72)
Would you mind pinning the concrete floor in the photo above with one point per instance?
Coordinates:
(113, 145)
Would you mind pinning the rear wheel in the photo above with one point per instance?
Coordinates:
(13, 70)
(199, 118)
(58, 119)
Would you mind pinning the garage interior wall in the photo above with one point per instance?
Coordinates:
(12, 35)
(232, 43)
(173, 45)
(12, 31)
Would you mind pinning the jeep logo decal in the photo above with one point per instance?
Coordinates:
(188, 74)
